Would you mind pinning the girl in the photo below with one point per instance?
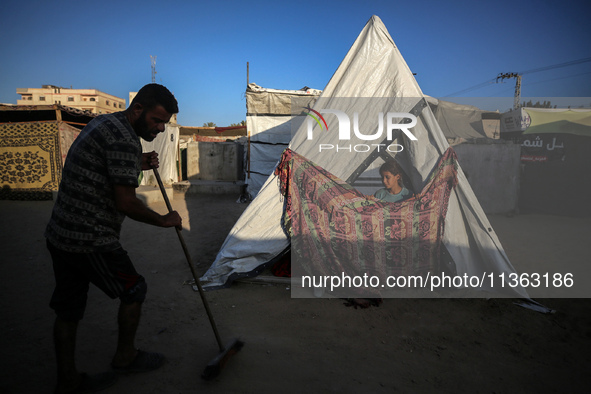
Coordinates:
(394, 189)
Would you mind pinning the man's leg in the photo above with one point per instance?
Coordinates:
(68, 301)
(64, 338)
(124, 282)
(128, 320)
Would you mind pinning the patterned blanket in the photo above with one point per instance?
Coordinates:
(30, 160)
(337, 230)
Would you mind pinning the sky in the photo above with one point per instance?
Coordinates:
(202, 47)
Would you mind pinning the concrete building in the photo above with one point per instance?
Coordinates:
(91, 100)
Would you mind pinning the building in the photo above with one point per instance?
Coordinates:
(91, 100)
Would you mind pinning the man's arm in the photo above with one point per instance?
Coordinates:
(128, 204)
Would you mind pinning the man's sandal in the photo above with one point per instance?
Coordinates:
(143, 362)
(93, 383)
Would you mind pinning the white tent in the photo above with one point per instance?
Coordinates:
(373, 69)
(461, 122)
(268, 121)
(167, 146)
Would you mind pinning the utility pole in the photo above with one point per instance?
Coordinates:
(153, 61)
(517, 77)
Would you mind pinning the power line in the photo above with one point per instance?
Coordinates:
(543, 81)
(571, 63)
(491, 81)
(556, 79)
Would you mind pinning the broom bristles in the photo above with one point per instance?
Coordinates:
(214, 368)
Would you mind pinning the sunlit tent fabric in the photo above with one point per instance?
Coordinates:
(268, 121)
(570, 121)
(463, 122)
(167, 146)
(373, 68)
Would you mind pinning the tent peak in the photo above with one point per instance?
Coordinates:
(375, 20)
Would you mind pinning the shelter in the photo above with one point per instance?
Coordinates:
(474, 133)
(555, 145)
(461, 122)
(487, 160)
(167, 146)
(372, 79)
(268, 121)
(34, 142)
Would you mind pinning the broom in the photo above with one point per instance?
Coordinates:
(214, 368)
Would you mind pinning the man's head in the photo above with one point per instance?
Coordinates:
(150, 110)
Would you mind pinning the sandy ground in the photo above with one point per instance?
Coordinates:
(296, 345)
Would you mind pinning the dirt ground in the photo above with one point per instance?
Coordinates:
(296, 345)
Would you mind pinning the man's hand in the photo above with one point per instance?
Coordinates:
(173, 219)
(150, 160)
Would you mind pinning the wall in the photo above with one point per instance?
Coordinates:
(220, 161)
(493, 170)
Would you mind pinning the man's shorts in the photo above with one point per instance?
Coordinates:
(112, 272)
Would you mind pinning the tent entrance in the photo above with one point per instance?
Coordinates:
(381, 152)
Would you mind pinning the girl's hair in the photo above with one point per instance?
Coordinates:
(393, 168)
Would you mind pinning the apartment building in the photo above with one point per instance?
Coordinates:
(92, 100)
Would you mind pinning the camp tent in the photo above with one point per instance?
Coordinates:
(555, 144)
(528, 120)
(473, 132)
(373, 69)
(167, 146)
(461, 122)
(268, 121)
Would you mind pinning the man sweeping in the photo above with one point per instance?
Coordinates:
(96, 193)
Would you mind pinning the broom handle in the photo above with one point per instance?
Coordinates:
(195, 277)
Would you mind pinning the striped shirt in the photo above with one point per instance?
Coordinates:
(85, 219)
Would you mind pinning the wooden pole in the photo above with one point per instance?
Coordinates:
(190, 262)
(58, 113)
(247, 130)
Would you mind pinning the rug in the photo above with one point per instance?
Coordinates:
(30, 158)
(335, 229)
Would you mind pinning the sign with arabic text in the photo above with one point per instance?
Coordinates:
(542, 148)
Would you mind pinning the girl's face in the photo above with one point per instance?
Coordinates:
(390, 181)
